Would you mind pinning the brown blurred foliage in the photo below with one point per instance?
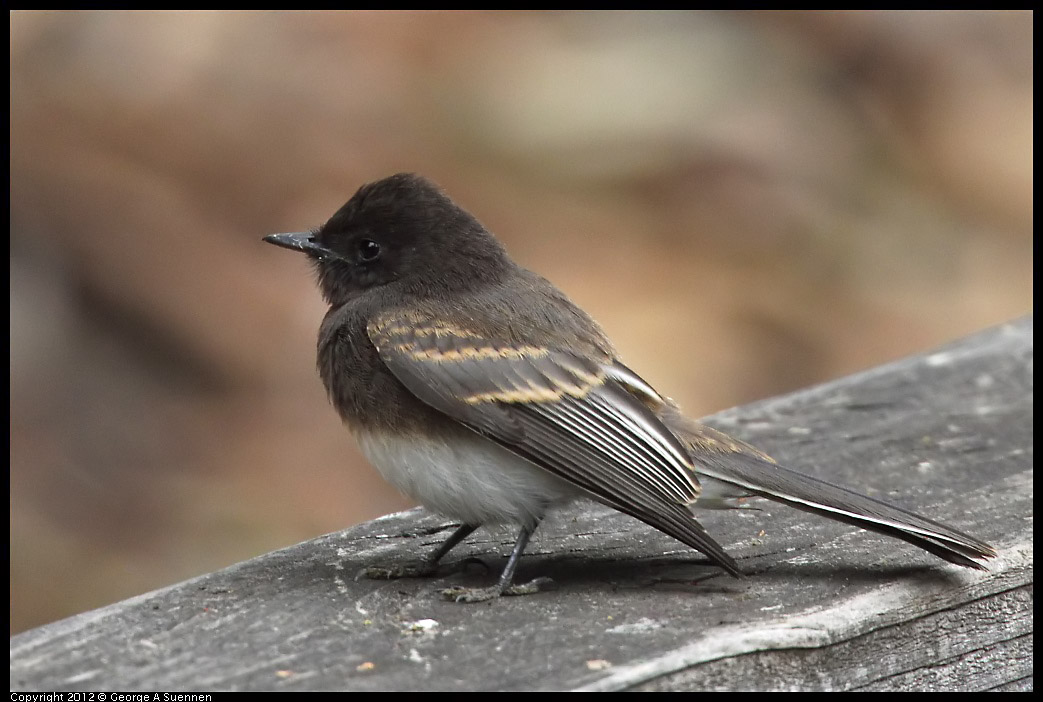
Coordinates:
(748, 203)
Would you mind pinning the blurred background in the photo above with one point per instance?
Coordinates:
(811, 193)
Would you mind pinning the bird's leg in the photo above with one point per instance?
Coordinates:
(430, 564)
(504, 585)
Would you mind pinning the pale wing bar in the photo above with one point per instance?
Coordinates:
(564, 412)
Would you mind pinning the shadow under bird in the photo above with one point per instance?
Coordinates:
(480, 390)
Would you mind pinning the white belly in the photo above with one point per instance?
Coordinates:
(473, 480)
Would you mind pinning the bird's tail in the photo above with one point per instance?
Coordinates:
(719, 457)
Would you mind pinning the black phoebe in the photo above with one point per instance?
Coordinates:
(480, 390)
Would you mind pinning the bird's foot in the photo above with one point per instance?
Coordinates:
(484, 594)
(421, 570)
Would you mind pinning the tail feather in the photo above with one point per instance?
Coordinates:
(820, 497)
(722, 458)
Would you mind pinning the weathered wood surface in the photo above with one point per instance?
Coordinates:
(826, 606)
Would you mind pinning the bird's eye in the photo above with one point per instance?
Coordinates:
(369, 251)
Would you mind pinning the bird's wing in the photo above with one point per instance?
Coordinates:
(565, 412)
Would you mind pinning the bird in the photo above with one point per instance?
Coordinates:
(480, 390)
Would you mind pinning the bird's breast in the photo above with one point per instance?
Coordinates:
(360, 386)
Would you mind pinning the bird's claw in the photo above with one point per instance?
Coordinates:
(396, 572)
(484, 594)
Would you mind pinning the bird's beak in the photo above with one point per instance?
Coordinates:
(300, 241)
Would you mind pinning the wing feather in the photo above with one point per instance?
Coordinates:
(567, 413)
